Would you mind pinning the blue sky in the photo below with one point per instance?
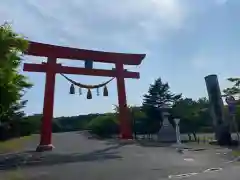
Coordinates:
(184, 40)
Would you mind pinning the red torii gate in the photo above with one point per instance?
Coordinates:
(53, 52)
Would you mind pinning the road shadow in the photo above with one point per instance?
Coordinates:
(118, 141)
(89, 135)
(138, 142)
(147, 143)
(26, 159)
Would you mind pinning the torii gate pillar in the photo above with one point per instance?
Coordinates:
(125, 126)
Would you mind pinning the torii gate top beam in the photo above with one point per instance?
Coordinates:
(47, 50)
(53, 52)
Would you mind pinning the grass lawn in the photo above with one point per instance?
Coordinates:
(13, 144)
(236, 152)
(15, 175)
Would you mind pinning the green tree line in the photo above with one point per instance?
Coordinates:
(145, 119)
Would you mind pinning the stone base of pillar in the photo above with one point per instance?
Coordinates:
(42, 148)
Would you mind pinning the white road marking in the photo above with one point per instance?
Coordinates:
(212, 170)
(189, 159)
(181, 175)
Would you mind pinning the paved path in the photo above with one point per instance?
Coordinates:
(76, 157)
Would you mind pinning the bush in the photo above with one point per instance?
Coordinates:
(56, 127)
(17, 128)
(33, 122)
(104, 126)
(206, 129)
(26, 128)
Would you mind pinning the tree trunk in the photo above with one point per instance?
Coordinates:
(189, 137)
(195, 136)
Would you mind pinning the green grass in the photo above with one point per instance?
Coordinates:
(15, 175)
(236, 152)
(13, 144)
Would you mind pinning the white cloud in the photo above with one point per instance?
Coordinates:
(221, 2)
(208, 62)
(77, 22)
(200, 63)
(171, 12)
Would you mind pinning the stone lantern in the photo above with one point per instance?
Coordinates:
(167, 133)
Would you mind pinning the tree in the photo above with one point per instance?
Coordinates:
(185, 109)
(158, 97)
(204, 115)
(193, 115)
(12, 84)
(235, 89)
(104, 126)
(138, 119)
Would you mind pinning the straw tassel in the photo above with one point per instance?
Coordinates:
(105, 91)
(72, 89)
(80, 91)
(98, 92)
(89, 94)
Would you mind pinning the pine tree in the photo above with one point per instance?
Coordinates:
(158, 97)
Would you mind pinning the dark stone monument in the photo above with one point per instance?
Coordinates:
(167, 133)
(221, 126)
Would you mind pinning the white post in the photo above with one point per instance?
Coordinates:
(235, 126)
(178, 135)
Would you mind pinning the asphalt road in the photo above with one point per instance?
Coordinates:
(76, 157)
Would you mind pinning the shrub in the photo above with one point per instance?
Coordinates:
(104, 126)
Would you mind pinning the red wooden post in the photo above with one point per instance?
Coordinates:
(124, 118)
(46, 129)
